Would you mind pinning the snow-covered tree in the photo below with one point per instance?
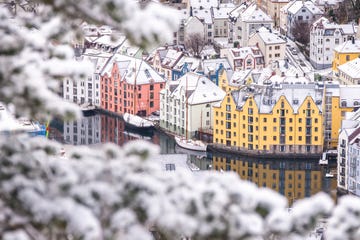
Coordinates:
(107, 192)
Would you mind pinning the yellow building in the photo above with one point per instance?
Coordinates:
(338, 99)
(293, 179)
(271, 118)
(344, 53)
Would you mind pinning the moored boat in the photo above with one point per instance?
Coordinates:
(137, 122)
(190, 144)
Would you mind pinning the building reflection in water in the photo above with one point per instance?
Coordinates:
(295, 179)
(103, 128)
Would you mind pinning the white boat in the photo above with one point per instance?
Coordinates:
(137, 123)
(195, 145)
(10, 125)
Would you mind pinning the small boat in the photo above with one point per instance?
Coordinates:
(137, 123)
(10, 125)
(88, 109)
(190, 144)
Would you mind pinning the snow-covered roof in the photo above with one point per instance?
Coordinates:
(192, 62)
(266, 100)
(349, 46)
(203, 3)
(350, 94)
(199, 89)
(239, 78)
(134, 70)
(329, 27)
(243, 52)
(211, 65)
(254, 14)
(236, 12)
(203, 14)
(171, 57)
(297, 5)
(269, 37)
(351, 68)
(222, 12)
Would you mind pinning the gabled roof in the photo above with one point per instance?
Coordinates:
(310, 6)
(222, 12)
(254, 14)
(269, 37)
(133, 70)
(266, 96)
(199, 89)
(349, 47)
(351, 68)
(211, 65)
(196, 4)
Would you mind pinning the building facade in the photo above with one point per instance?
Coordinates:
(324, 37)
(348, 177)
(130, 85)
(186, 104)
(273, 118)
(271, 45)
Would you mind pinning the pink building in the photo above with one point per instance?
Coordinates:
(130, 85)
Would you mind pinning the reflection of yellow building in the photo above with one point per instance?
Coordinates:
(274, 118)
(293, 179)
(345, 52)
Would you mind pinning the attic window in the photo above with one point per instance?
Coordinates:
(147, 73)
(203, 81)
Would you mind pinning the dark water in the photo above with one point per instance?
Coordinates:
(293, 178)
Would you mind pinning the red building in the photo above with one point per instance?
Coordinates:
(130, 85)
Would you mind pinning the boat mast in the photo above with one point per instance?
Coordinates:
(186, 109)
(134, 101)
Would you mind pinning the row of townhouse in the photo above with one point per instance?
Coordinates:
(324, 38)
(221, 22)
(348, 174)
(282, 115)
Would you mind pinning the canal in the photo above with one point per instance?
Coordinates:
(293, 178)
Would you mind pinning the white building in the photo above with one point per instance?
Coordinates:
(84, 131)
(87, 90)
(186, 104)
(324, 37)
(247, 21)
(220, 17)
(298, 11)
(349, 154)
(271, 45)
(193, 25)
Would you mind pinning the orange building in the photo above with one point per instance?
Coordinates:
(130, 85)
